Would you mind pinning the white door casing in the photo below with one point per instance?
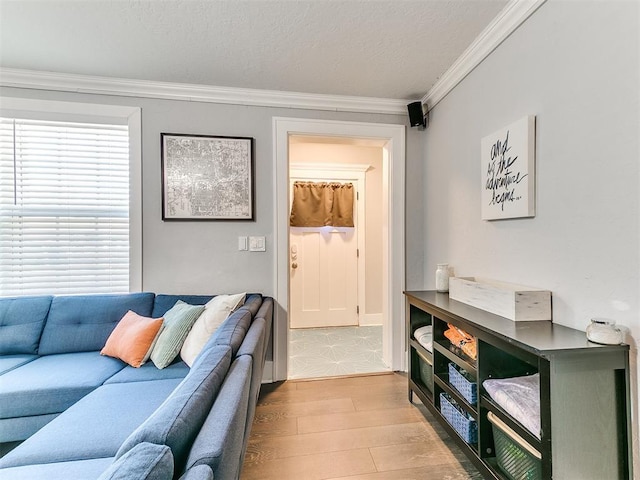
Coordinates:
(393, 137)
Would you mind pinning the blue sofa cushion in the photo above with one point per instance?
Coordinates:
(9, 362)
(232, 331)
(52, 383)
(77, 470)
(149, 371)
(254, 346)
(200, 472)
(252, 303)
(18, 428)
(145, 461)
(21, 323)
(82, 323)
(177, 422)
(95, 426)
(220, 440)
(163, 302)
(266, 312)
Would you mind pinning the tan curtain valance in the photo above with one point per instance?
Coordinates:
(322, 204)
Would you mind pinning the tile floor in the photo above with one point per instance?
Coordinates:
(335, 351)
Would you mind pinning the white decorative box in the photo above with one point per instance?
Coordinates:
(515, 302)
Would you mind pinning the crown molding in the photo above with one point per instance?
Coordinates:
(65, 82)
(507, 21)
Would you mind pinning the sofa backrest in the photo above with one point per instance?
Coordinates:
(266, 312)
(220, 441)
(232, 331)
(199, 472)
(21, 323)
(82, 323)
(163, 303)
(253, 347)
(177, 421)
(253, 303)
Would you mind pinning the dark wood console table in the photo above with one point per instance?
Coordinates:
(584, 387)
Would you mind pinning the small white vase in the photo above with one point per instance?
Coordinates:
(442, 277)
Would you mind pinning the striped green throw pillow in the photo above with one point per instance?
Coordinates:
(177, 323)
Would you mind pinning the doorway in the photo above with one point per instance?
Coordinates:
(390, 138)
(336, 280)
(328, 263)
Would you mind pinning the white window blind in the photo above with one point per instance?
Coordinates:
(64, 207)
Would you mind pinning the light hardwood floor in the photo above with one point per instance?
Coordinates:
(357, 428)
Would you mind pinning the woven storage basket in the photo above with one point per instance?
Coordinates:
(466, 427)
(467, 388)
(516, 458)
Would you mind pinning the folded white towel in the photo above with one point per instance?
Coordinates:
(424, 336)
(520, 398)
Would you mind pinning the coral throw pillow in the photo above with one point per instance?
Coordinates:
(133, 338)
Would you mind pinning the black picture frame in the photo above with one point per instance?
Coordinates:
(207, 177)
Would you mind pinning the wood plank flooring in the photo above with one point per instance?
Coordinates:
(357, 428)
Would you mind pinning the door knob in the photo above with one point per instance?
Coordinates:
(294, 265)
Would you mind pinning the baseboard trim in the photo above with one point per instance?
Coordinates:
(370, 319)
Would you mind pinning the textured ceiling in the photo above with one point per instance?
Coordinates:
(388, 49)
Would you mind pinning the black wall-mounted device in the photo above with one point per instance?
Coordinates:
(417, 117)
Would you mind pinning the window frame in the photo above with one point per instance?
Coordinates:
(98, 113)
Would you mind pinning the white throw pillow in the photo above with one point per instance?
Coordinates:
(215, 312)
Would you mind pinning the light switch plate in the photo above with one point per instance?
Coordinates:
(257, 244)
(242, 243)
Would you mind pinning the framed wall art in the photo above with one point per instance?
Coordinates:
(508, 171)
(206, 177)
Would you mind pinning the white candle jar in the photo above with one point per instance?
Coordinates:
(442, 277)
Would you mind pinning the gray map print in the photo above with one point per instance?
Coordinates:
(207, 177)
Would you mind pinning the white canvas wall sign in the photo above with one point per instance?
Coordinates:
(508, 171)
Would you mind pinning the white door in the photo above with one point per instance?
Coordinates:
(323, 265)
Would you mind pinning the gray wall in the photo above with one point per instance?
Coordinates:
(202, 257)
(575, 65)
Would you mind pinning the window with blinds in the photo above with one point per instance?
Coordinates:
(64, 207)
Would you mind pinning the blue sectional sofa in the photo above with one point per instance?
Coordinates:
(83, 415)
